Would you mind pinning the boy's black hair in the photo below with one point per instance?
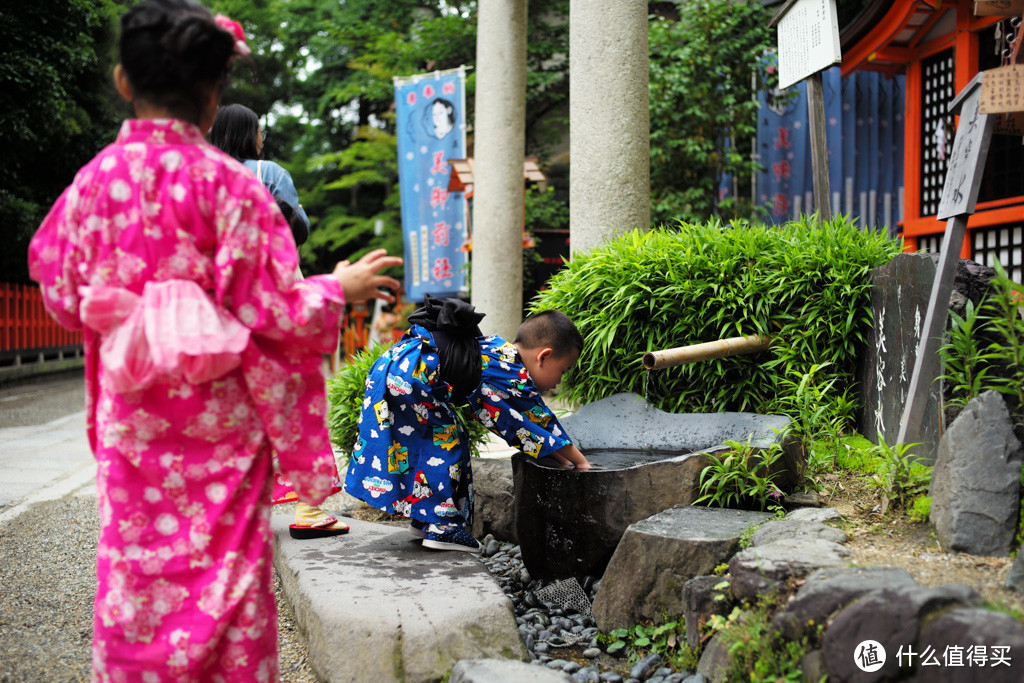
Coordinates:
(173, 52)
(235, 131)
(550, 328)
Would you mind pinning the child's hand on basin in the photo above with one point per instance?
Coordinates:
(571, 455)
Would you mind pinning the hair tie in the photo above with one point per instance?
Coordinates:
(235, 29)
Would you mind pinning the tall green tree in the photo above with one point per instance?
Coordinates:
(703, 82)
(58, 108)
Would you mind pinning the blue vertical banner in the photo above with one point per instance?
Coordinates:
(430, 125)
(864, 126)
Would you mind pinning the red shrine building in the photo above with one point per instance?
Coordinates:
(939, 46)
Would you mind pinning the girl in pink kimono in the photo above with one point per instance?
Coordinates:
(203, 354)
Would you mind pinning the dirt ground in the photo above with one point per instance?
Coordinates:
(895, 540)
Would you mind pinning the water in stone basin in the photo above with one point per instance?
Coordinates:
(610, 459)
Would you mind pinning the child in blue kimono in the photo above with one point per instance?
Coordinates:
(411, 457)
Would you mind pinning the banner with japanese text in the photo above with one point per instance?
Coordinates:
(430, 125)
(864, 127)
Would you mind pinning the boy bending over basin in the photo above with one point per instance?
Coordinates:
(412, 458)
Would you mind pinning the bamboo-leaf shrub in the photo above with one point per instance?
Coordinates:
(804, 284)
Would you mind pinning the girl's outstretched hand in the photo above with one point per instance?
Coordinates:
(362, 280)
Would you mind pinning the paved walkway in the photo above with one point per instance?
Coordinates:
(373, 604)
(43, 462)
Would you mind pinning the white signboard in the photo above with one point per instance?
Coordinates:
(808, 40)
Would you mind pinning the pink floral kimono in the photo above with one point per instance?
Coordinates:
(203, 355)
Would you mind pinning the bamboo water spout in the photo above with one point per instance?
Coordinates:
(720, 348)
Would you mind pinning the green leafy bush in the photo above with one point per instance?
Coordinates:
(345, 393)
(804, 284)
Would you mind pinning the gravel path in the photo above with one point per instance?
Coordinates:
(48, 579)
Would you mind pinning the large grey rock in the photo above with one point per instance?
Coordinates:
(976, 481)
(1015, 577)
(891, 616)
(658, 555)
(826, 591)
(765, 569)
(376, 606)
(899, 299)
(813, 515)
(493, 498)
(569, 521)
(970, 629)
(701, 600)
(714, 663)
(785, 529)
(504, 671)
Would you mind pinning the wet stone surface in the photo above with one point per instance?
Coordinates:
(561, 637)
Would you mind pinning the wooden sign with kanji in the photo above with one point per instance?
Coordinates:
(959, 195)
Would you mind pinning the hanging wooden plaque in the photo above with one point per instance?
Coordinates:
(1002, 91)
(1002, 94)
(998, 8)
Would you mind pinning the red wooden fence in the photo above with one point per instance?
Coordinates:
(25, 324)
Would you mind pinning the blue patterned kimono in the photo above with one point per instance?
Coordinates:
(411, 458)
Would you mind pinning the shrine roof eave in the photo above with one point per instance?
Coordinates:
(887, 34)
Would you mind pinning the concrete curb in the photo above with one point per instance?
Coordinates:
(376, 606)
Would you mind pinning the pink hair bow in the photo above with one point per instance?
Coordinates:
(235, 29)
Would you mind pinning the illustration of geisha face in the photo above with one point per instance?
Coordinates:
(442, 114)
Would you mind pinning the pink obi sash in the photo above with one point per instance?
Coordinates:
(174, 329)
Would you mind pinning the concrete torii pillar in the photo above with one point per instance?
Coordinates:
(500, 144)
(609, 121)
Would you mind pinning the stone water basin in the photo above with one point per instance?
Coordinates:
(646, 460)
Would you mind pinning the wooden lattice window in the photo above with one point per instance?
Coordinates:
(931, 244)
(937, 91)
(1003, 242)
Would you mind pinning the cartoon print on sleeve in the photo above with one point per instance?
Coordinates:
(446, 436)
(528, 442)
(538, 415)
(488, 415)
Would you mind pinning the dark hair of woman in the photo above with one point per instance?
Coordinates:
(173, 52)
(235, 131)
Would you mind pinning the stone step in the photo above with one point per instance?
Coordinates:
(376, 606)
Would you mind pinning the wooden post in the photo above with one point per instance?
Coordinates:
(808, 36)
(819, 146)
(959, 194)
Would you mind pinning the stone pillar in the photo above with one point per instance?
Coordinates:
(609, 121)
(500, 143)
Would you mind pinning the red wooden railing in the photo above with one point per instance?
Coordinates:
(25, 324)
